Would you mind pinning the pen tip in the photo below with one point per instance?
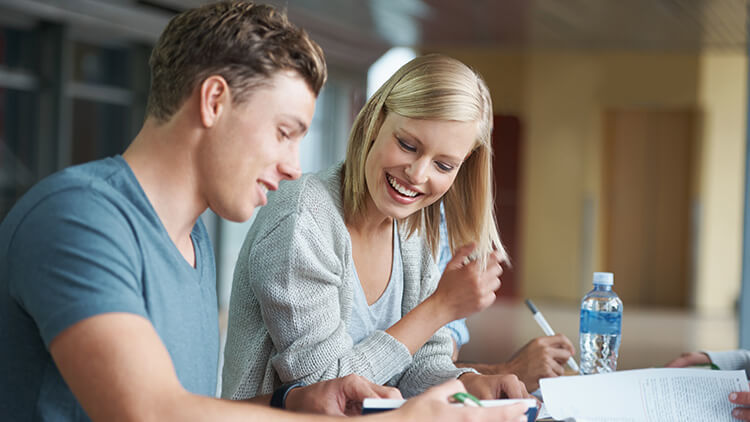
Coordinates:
(531, 306)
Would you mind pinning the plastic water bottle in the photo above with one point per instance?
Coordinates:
(601, 323)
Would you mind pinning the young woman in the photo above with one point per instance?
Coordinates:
(337, 275)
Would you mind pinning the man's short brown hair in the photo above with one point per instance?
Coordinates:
(245, 43)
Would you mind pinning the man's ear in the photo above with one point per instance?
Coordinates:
(214, 99)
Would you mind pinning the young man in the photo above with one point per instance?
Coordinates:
(107, 279)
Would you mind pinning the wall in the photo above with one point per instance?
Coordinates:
(503, 70)
(722, 94)
(560, 114)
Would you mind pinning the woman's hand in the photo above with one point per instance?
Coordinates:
(463, 290)
(464, 287)
(490, 387)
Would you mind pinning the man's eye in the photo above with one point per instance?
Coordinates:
(406, 146)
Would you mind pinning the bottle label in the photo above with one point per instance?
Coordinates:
(600, 322)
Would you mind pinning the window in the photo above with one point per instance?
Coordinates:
(18, 155)
(18, 129)
(99, 130)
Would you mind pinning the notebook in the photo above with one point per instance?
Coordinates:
(379, 405)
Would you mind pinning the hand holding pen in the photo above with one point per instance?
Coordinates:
(542, 322)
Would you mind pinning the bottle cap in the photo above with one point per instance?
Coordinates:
(604, 279)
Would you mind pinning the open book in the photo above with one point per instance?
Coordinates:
(644, 395)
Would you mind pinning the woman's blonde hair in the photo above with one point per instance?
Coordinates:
(433, 87)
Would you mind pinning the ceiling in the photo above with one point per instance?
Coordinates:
(364, 29)
(358, 31)
(548, 24)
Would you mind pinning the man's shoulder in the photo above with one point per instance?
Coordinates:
(82, 195)
(94, 179)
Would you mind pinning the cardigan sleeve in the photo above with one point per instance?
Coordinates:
(731, 359)
(298, 277)
(432, 363)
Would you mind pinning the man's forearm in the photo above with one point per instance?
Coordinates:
(260, 400)
(199, 408)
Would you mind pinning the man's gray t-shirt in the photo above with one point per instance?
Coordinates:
(83, 242)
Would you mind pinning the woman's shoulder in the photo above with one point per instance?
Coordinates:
(302, 216)
(313, 196)
(321, 190)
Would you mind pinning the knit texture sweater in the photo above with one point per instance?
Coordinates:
(731, 359)
(292, 300)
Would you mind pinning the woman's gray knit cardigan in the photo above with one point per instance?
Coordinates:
(292, 300)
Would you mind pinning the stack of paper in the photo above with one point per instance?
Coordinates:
(644, 395)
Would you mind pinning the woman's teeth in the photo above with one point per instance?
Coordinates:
(400, 189)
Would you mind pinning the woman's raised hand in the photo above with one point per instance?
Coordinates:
(466, 288)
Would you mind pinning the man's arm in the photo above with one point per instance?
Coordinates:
(119, 370)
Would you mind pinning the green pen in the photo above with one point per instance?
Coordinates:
(709, 365)
(467, 399)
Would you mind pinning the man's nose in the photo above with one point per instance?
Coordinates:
(290, 167)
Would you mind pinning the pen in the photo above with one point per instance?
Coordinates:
(467, 399)
(539, 318)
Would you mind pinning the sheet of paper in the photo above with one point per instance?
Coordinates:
(644, 395)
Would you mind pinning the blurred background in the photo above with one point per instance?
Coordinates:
(620, 138)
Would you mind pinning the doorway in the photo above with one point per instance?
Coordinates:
(648, 170)
(506, 164)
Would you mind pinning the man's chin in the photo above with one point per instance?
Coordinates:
(238, 216)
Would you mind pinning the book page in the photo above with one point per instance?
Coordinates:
(659, 394)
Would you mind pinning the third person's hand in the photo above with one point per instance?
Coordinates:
(542, 357)
(689, 359)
